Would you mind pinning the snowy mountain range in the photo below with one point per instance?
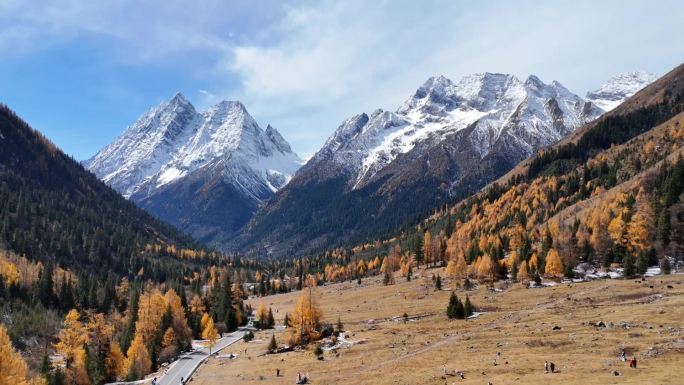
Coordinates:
(619, 88)
(173, 156)
(533, 113)
(218, 176)
(379, 172)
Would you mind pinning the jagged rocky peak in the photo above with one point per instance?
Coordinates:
(173, 141)
(281, 144)
(534, 112)
(620, 87)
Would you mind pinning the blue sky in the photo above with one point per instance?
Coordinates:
(81, 71)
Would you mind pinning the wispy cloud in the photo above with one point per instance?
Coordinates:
(307, 65)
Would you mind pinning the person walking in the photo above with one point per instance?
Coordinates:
(546, 366)
(553, 367)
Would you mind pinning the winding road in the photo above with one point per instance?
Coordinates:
(186, 365)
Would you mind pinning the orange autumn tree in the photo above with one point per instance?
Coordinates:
(152, 307)
(262, 315)
(307, 315)
(115, 362)
(138, 363)
(639, 227)
(210, 333)
(523, 275)
(72, 339)
(13, 369)
(554, 265)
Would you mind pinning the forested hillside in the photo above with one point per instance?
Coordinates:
(87, 275)
(611, 194)
(51, 209)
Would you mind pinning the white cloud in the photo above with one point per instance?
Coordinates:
(306, 66)
(328, 60)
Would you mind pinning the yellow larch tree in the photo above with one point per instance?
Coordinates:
(554, 265)
(427, 247)
(138, 363)
(152, 307)
(262, 314)
(210, 334)
(196, 305)
(115, 361)
(616, 229)
(99, 332)
(181, 329)
(486, 269)
(307, 316)
(13, 369)
(204, 321)
(534, 262)
(639, 227)
(450, 270)
(461, 266)
(72, 337)
(523, 275)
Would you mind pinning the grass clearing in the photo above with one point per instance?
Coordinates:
(517, 322)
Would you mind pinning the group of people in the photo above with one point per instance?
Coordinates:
(632, 361)
(302, 379)
(549, 367)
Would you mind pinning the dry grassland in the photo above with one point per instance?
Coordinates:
(645, 319)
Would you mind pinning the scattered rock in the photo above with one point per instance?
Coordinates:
(557, 327)
(616, 373)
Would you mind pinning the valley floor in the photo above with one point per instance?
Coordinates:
(645, 319)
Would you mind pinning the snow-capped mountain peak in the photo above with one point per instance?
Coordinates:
(492, 105)
(173, 140)
(620, 87)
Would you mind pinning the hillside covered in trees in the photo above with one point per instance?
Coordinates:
(87, 274)
(611, 194)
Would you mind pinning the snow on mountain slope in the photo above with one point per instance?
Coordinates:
(619, 88)
(173, 140)
(535, 113)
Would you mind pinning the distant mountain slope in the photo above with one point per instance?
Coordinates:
(612, 193)
(51, 208)
(379, 173)
(205, 172)
(618, 88)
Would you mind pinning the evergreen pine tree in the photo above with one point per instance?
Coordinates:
(231, 319)
(451, 308)
(628, 265)
(273, 345)
(459, 311)
(129, 330)
(46, 293)
(663, 227)
(642, 263)
(340, 327)
(271, 319)
(468, 307)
